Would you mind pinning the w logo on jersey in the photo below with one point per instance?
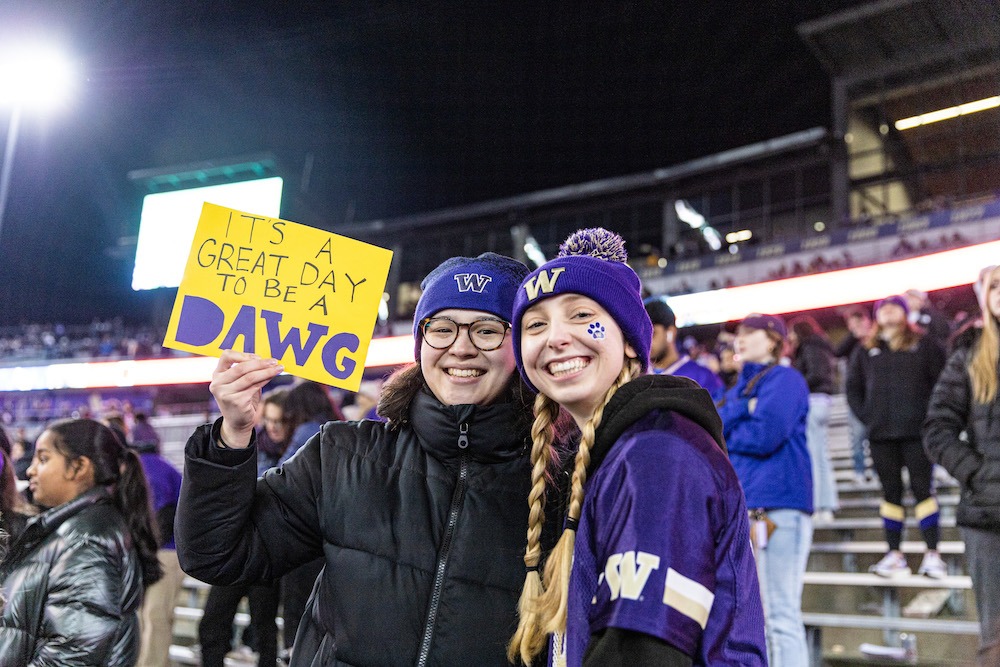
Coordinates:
(476, 282)
(544, 282)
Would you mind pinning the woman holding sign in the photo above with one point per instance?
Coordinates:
(420, 520)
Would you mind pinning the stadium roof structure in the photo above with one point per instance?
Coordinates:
(894, 37)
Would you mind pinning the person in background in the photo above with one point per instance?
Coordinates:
(420, 519)
(965, 400)
(308, 406)
(21, 452)
(812, 355)
(859, 327)
(764, 421)
(663, 353)
(157, 616)
(923, 314)
(14, 510)
(889, 384)
(215, 629)
(74, 579)
(652, 491)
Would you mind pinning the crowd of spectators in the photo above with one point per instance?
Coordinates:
(104, 339)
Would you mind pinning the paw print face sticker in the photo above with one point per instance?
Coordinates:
(596, 330)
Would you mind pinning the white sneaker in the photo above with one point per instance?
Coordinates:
(892, 565)
(823, 516)
(932, 566)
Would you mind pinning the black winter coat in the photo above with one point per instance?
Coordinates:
(814, 358)
(422, 529)
(974, 461)
(73, 588)
(889, 390)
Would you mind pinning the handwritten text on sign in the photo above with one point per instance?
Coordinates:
(279, 289)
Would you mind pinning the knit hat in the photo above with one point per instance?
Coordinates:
(896, 299)
(765, 323)
(486, 283)
(659, 312)
(592, 263)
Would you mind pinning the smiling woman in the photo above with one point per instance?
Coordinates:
(654, 565)
(420, 520)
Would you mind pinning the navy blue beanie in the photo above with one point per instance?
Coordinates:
(591, 262)
(486, 283)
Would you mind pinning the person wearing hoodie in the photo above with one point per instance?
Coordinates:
(420, 520)
(654, 565)
(764, 418)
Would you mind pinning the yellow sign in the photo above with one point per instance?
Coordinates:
(275, 288)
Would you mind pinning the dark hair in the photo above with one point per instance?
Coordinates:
(806, 326)
(402, 386)
(277, 396)
(309, 401)
(119, 467)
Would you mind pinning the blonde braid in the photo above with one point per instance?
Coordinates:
(553, 603)
(529, 638)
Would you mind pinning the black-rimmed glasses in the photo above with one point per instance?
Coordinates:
(486, 334)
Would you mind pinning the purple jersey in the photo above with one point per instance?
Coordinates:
(688, 368)
(663, 548)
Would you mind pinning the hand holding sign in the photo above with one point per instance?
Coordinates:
(274, 288)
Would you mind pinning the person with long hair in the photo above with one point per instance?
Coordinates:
(812, 355)
(965, 400)
(764, 418)
(889, 384)
(654, 564)
(14, 509)
(420, 519)
(74, 579)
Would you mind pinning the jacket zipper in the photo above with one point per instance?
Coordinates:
(457, 498)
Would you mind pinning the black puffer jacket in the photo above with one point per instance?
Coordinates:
(73, 588)
(889, 390)
(975, 461)
(814, 358)
(422, 529)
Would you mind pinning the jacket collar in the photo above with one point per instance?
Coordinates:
(41, 526)
(488, 433)
(647, 393)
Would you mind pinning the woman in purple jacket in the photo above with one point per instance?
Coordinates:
(654, 565)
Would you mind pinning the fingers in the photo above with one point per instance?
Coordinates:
(237, 372)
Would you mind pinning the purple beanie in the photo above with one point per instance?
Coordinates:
(765, 323)
(591, 262)
(896, 299)
(486, 283)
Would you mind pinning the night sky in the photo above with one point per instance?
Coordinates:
(400, 107)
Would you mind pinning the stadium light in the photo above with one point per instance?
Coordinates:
(33, 77)
(949, 112)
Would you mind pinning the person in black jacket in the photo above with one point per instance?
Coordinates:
(812, 355)
(859, 326)
(889, 383)
(73, 581)
(966, 400)
(420, 519)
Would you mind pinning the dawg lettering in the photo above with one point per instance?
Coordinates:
(472, 281)
(544, 282)
(627, 574)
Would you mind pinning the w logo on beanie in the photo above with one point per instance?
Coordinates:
(475, 282)
(544, 282)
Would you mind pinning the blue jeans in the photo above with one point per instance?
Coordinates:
(824, 486)
(858, 435)
(780, 567)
